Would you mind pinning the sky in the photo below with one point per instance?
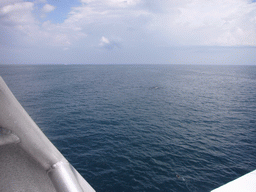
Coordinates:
(128, 32)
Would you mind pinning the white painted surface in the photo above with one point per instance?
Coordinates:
(246, 183)
(28, 160)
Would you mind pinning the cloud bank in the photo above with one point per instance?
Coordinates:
(203, 22)
(198, 22)
(140, 24)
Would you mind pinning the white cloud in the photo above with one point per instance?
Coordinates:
(113, 3)
(17, 13)
(20, 27)
(40, 1)
(8, 2)
(48, 8)
(107, 44)
(122, 3)
(86, 1)
(60, 34)
(184, 22)
(204, 22)
(104, 41)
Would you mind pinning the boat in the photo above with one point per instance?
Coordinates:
(28, 159)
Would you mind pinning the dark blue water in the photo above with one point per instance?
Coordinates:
(136, 127)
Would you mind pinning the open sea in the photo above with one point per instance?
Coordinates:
(145, 127)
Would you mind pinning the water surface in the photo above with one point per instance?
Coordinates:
(145, 127)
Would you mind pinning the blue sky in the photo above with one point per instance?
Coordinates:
(128, 32)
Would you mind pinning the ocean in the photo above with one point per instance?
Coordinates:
(145, 127)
